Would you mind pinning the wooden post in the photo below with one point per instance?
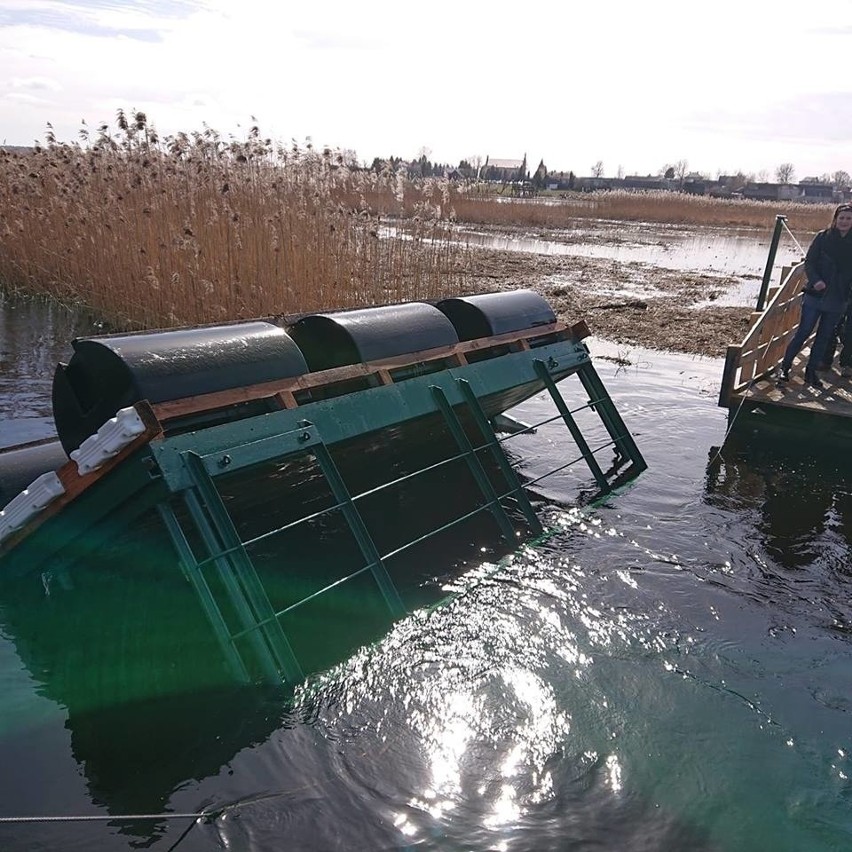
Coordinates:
(732, 360)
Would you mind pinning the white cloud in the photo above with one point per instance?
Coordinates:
(19, 98)
(632, 84)
(35, 83)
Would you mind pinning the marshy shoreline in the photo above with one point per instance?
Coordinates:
(580, 288)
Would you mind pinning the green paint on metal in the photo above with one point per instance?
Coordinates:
(472, 460)
(300, 439)
(275, 652)
(770, 262)
(208, 601)
(516, 489)
(359, 530)
(612, 419)
(542, 371)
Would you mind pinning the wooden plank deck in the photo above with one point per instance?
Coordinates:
(834, 398)
(750, 376)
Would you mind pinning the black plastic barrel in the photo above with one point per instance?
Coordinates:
(490, 314)
(108, 373)
(370, 334)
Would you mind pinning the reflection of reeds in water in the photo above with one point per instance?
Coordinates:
(192, 229)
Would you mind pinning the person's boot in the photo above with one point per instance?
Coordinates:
(784, 375)
(812, 379)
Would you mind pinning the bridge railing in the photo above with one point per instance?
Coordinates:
(771, 330)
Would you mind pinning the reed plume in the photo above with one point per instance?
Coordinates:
(194, 228)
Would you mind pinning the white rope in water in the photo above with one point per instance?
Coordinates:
(105, 817)
(733, 420)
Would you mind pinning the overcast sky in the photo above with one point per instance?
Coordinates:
(735, 84)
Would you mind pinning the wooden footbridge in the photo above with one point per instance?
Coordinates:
(750, 387)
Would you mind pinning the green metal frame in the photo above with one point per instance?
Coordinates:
(181, 471)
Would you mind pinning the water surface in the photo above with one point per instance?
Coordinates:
(737, 257)
(668, 669)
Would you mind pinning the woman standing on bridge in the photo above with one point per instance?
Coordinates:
(828, 266)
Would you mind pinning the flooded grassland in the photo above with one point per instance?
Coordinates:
(684, 289)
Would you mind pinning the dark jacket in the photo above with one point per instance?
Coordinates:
(829, 259)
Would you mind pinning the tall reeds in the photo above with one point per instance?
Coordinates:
(655, 206)
(193, 228)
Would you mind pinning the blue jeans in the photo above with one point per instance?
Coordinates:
(812, 314)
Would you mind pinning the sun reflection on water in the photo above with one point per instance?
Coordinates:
(509, 678)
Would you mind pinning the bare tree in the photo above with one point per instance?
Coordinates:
(785, 172)
(477, 161)
(620, 173)
(841, 178)
(680, 169)
(598, 169)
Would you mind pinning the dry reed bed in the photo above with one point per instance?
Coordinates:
(656, 206)
(193, 229)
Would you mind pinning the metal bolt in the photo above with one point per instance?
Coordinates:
(305, 436)
(224, 461)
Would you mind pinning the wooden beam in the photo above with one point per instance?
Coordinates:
(732, 357)
(580, 331)
(170, 409)
(286, 399)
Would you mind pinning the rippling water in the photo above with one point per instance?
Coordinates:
(667, 669)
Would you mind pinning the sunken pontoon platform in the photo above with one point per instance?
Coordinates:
(226, 441)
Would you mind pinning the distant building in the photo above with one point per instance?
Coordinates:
(761, 191)
(560, 180)
(817, 193)
(504, 171)
(646, 182)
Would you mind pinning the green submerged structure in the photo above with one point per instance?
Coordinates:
(244, 504)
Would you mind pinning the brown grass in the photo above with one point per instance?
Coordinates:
(662, 207)
(193, 228)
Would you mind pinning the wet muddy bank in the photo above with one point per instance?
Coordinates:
(684, 290)
(663, 309)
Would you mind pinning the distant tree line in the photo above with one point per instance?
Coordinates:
(476, 167)
(422, 166)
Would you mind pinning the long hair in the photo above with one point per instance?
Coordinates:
(837, 211)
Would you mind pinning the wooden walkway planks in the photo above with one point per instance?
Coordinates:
(834, 398)
(750, 376)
